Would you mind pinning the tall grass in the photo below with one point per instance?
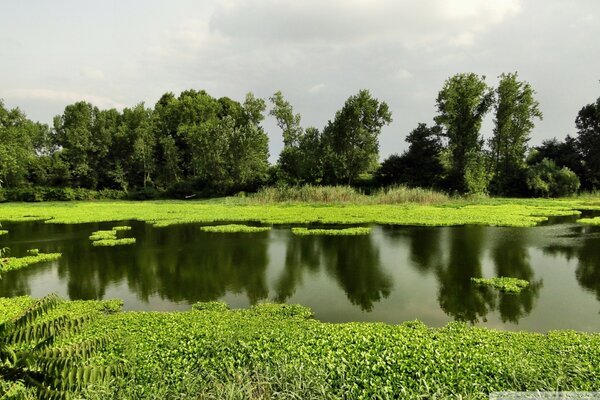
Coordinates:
(346, 194)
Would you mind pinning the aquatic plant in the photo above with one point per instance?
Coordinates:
(3, 232)
(13, 263)
(331, 232)
(113, 242)
(33, 252)
(504, 284)
(484, 211)
(121, 228)
(210, 306)
(103, 235)
(234, 228)
(589, 221)
(207, 354)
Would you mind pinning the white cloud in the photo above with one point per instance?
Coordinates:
(65, 97)
(403, 74)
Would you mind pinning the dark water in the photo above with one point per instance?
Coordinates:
(393, 275)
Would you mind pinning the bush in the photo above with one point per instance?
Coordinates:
(546, 179)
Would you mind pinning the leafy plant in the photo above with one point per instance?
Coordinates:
(12, 263)
(113, 242)
(504, 284)
(331, 232)
(233, 228)
(29, 357)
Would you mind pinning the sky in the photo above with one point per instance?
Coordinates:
(318, 53)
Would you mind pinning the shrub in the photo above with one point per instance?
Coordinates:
(546, 179)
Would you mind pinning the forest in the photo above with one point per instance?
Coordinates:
(196, 145)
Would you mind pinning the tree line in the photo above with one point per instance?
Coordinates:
(197, 144)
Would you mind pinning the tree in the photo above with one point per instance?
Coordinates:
(350, 142)
(420, 165)
(564, 154)
(546, 179)
(462, 103)
(300, 159)
(516, 110)
(588, 137)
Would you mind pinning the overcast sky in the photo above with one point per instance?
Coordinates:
(318, 53)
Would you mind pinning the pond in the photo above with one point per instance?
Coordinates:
(395, 274)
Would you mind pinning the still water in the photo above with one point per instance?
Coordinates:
(393, 275)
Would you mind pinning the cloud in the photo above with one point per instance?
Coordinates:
(316, 88)
(350, 21)
(92, 73)
(65, 97)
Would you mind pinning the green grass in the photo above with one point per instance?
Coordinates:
(234, 228)
(485, 211)
(271, 351)
(504, 284)
(331, 232)
(113, 242)
(590, 221)
(13, 263)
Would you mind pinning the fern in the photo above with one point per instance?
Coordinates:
(29, 357)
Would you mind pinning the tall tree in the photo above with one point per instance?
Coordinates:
(462, 103)
(516, 110)
(588, 137)
(351, 140)
(300, 159)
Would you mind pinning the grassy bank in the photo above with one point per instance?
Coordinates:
(486, 211)
(275, 351)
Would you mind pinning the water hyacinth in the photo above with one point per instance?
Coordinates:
(113, 242)
(331, 232)
(14, 263)
(234, 228)
(503, 283)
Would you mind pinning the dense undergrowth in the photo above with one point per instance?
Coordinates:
(273, 351)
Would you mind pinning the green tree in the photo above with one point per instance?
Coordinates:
(420, 165)
(546, 179)
(462, 103)
(300, 159)
(588, 138)
(351, 140)
(516, 110)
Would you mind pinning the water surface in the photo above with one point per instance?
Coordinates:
(393, 275)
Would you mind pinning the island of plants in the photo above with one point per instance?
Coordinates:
(34, 257)
(235, 228)
(331, 232)
(502, 283)
(108, 238)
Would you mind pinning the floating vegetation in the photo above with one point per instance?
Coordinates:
(589, 221)
(103, 235)
(113, 242)
(331, 232)
(3, 232)
(109, 238)
(33, 252)
(504, 284)
(12, 263)
(233, 228)
(487, 211)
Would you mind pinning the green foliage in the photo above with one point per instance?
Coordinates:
(351, 140)
(113, 242)
(480, 211)
(547, 180)
(462, 103)
(516, 110)
(331, 232)
(503, 283)
(234, 228)
(3, 232)
(210, 306)
(31, 358)
(420, 165)
(588, 141)
(13, 263)
(590, 221)
(282, 310)
(121, 228)
(264, 350)
(103, 235)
